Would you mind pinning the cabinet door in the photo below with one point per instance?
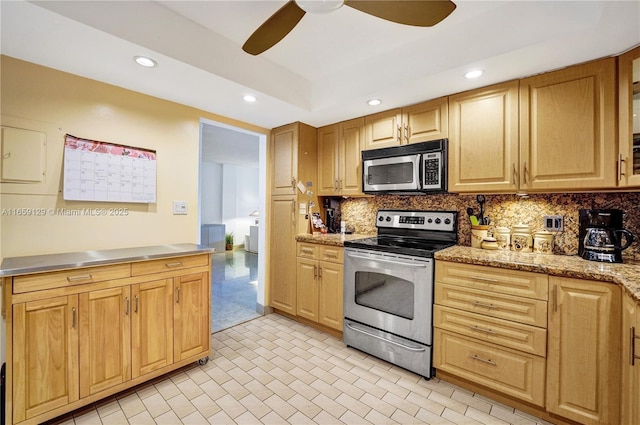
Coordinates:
(282, 255)
(151, 326)
(45, 356)
(105, 339)
(483, 139)
(330, 295)
(328, 141)
(630, 361)
(307, 288)
(583, 356)
(426, 121)
(350, 159)
(284, 159)
(383, 129)
(568, 128)
(629, 115)
(192, 307)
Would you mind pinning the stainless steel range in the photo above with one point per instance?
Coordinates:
(388, 286)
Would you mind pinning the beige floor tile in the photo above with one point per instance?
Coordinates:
(320, 352)
(168, 418)
(401, 403)
(393, 388)
(378, 418)
(198, 375)
(328, 405)
(414, 387)
(303, 375)
(358, 407)
(280, 389)
(131, 405)
(178, 376)
(189, 388)
(508, 415)
(255, 406)
(218, 375)
(475, 402)
(388, 374)
(280, 406)
(432, 418)
(365, 374)
(299, 418)
(532, 418)
(303, 389)
(213, 390)
(258, 389)
(348, 388)
(377, 404)
(220, 418)
(87, 417)
(181, 406)
(266, 352)
(143, 418)
(272, 418)
(284, 354)
(341, 363)
(351, 418)
(448, 402)
(326, 376)
(239, 375)
(168, 389)
(321, 363)
(115, 418)
(156, 405)
(146, 390)
(205, 405)
(232, 407)
(328, 390)
(235, 389)
(107, 406)
(244, 363)
(324, 418)
(302, 363)
(247, 419)
(458, 418)
(195, 418)
(307, 407)
(426, 403)
(344, 375)
(401, 417)
(484, 417)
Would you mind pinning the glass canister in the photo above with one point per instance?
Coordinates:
(543, 242)
(503, 237)
(521, 238)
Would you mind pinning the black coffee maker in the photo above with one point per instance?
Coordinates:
(601, 234)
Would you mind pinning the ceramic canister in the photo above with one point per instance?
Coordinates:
(521, 239)
(543, 242)
(478, 233)
(503, 237)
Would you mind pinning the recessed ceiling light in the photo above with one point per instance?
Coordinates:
(374, 102)
(249, 98)
(145, 61)
(315, 6)
(473, 73)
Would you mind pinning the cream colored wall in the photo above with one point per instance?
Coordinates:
(57, 103)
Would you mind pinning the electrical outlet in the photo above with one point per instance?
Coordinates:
(553, 223)
(180, 207)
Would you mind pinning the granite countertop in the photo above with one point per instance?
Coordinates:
(625, 275)
(42, 263)
(335, 239)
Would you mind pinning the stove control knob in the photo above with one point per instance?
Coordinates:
(447, 221)
(437, 221)
(430, 221)
(381, 218)
(388, 218)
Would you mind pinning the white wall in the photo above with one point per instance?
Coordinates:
(239, 199)
(211, 193)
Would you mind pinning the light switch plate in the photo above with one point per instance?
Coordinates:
(553, 223)
(180, 208)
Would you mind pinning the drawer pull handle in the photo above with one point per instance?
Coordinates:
(73, 317)
(78, 278)
(136, 304)
(178, 295)
(481, 329)
(479, 304)
(331, 254)
(172, 265)
(481, 359)
(484, 279)
(307, 251)
(632, 336)
(126, 308)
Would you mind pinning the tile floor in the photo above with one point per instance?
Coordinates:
(234, 277)
(273, 370)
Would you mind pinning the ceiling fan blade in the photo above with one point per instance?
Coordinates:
(274, 29)
(421, 13)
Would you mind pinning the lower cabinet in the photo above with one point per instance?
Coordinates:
(583, 362)
(95, 342)
(630, 361)
(319, 270)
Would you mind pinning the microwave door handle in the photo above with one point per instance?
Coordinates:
(384, 260)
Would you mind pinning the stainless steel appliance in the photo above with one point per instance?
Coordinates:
(600, 235)
(388, 286)
(416, 168)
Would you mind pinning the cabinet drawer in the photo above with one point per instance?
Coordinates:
(511, 372)
(502, 332)
(307, 250)
(334, 254)
(504, 281)
(168, 264)
(517, 309)
(38, 282)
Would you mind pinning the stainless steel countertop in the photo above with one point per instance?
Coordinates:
(42, 263)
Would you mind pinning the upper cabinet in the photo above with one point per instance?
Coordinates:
(550, 132)
(568, 128)
(339, 163)
(483, 139)
(629, 110)
(417, 123)
(293, 158)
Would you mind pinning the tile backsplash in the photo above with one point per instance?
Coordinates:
(504, 211)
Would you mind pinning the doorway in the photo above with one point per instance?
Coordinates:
(231, 195)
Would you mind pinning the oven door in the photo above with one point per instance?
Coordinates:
(393, 293)
(400, 173)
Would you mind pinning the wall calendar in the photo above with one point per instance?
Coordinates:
(101, 171)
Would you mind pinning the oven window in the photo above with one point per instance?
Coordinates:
(385, 293)
(401, 172)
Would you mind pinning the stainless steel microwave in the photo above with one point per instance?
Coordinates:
(417, 168)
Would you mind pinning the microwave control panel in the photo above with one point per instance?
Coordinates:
(432, 170)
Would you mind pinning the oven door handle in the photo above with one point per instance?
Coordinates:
(384, 260)
(406, 347)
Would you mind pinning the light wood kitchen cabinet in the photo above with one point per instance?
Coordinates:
(490, 328)
(105, 339)
(339, 160)
(412, 124)
(319, 284)
(568, 128)
(629, 117)
(583, 361)
(483, 139)
(293, 158)
(630, 399)
(282, 254)
(45, 363)
(84, 336)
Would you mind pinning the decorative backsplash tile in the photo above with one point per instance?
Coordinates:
(504, 211)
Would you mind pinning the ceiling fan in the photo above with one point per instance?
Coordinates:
(421, 13)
